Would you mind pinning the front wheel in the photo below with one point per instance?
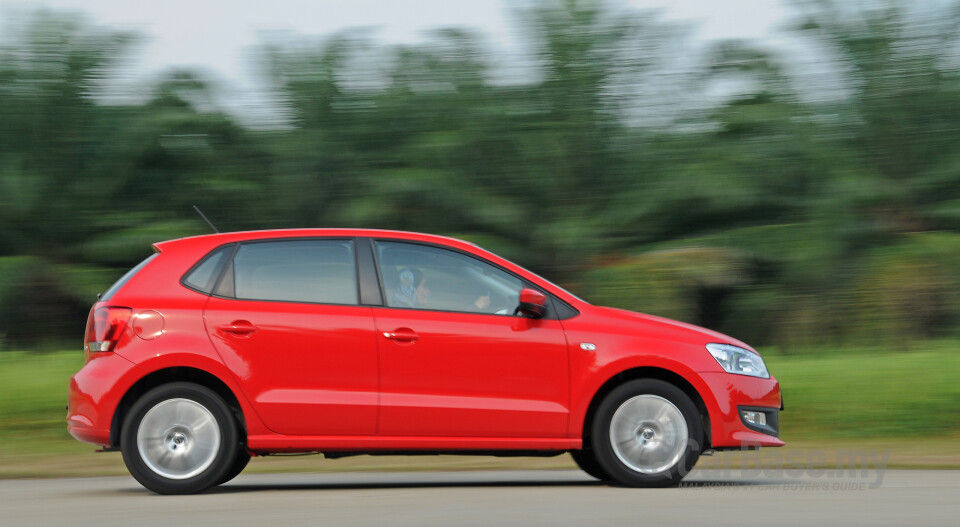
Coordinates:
(647, 433)
(179, 438)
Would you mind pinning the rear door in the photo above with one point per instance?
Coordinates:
(286, 320)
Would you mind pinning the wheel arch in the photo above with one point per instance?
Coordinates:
(647, 372)
(175, 374)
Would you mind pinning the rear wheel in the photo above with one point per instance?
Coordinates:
(179, 438)
(647, 433)
(587, 461)
(239, 463)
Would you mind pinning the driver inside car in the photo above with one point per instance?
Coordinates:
(412, 292)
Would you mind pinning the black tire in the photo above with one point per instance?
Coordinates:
(587, 461)
(647, 433)
(239, 463)
(183, 416)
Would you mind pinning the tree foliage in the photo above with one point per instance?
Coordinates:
(771, 212)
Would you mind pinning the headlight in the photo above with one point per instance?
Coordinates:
(738, 360)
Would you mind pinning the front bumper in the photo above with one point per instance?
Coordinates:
(734, 393)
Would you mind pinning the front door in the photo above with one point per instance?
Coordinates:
(455, 362)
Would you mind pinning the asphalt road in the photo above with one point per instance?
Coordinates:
(543, 497)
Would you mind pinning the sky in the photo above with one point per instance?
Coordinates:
(217, 36)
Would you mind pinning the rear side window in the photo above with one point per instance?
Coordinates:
(314, 271)
(203, 276)
(126, 278)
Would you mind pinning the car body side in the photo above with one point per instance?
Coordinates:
(604, 348)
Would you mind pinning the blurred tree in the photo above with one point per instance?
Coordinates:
(895, 165)
(50, 127)
(772, 213)
(902, 119)
(531, 168)
(85, 187)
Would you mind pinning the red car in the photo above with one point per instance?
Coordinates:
(218, 348)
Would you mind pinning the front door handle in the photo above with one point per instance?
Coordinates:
(405, 335)
(238, 327)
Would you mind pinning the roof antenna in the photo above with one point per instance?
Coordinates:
(216, 230)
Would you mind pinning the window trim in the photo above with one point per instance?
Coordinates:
(368, 274)
(552, 312)
(351, 239)
(227, 270)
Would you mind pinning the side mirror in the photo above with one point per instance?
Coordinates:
(533, 303)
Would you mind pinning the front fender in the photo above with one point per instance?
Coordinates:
(589, 387)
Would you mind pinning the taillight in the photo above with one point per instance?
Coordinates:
(104, 328)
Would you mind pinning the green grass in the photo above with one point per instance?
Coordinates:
(33, 400)
(904, 401)
(860, 394)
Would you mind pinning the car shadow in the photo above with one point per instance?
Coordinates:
(239, 487)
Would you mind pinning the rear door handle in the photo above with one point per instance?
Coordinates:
(401, 335)
(238, 327)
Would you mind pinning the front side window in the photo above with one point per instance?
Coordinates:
(426, 277)
(314, 271)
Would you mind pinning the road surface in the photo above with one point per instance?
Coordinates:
(523, 497)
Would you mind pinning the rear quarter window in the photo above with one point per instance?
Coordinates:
(203, 276)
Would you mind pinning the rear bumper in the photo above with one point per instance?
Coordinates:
(735, 392)
(82, 431)
(93, 398)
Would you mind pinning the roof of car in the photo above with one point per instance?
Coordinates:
(227, 237)
(198, 245)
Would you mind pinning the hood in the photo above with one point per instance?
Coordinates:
(708, 335)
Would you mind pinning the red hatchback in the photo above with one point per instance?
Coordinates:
(345, 342)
